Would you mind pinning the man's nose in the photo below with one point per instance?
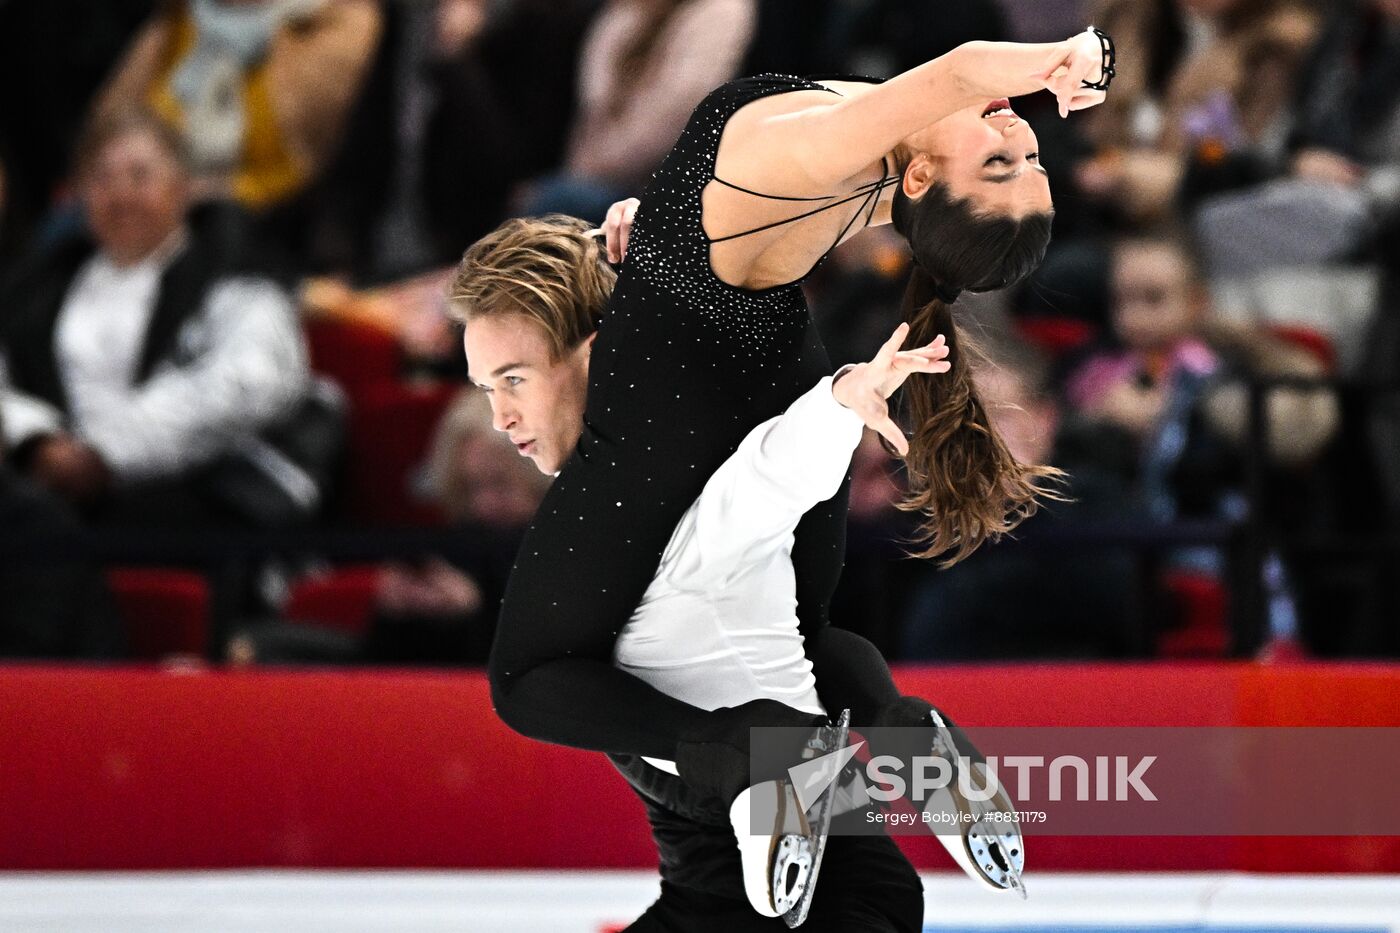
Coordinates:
(503, 415)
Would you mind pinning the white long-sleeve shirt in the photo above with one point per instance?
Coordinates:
(245, 366)
(718, 624)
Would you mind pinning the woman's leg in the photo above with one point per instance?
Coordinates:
(583, 568)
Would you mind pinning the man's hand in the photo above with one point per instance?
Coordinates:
(618, 228)
(865, 387)
(71, 468)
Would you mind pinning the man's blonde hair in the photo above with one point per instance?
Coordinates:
(550, 269)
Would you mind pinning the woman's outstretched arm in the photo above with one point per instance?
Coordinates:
(832, 142)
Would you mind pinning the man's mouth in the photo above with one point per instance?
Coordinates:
(524, 448)
(999, 108)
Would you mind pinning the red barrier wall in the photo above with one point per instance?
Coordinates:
(143, 768)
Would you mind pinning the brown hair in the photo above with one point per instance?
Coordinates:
(550, 269)
(961, 475)
(107, 125)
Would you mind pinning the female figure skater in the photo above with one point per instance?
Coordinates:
(708, 335)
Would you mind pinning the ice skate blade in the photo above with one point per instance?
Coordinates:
(827, 741)
(992, 852)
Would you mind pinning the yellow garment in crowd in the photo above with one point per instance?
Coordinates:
(266, 172)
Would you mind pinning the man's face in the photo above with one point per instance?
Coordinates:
(136, 194)
(535, 399)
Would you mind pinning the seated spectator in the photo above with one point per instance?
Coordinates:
(645, 65)
(439, 609)
(1138, 398)
(49, 607)
(1166, 415)
(1031, 595)
(503, 73)
(1340, 182)
(259, 89)
(146, 364)
(1167, 407)
(1223, 108)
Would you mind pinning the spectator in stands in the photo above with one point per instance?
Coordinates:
(259, 89)
(503, 79)
(438, 609)
(143, 363)
(1338, 184)
(1030, 596)
(1223, 107)
(645, 65)
(1138, 398)
(1166, 410)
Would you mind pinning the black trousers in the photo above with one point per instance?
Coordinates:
(866, 884)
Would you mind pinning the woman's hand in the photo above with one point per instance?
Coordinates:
(864, 387)
(1070, 64)
(618, 227)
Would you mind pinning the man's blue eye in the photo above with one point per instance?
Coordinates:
(514, 380)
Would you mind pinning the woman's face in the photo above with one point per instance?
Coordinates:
(986, 154)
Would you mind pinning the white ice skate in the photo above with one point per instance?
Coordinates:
(989, 850)
(780, 866)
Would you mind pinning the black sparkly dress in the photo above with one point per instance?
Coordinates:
(684, 366)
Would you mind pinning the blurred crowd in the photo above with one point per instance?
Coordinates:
(226, 229)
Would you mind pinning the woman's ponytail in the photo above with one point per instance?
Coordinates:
(961, 475)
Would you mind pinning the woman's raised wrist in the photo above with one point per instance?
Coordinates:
(983, 69)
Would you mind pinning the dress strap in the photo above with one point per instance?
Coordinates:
(869, 193)
(780, 197)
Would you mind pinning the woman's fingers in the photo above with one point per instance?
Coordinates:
(612, 231)
(629, 214)
(1076, 61)
(922, 362)
(887, 352)
(875, 413)
(1086, 99)
(877, 418)
(617, 228)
